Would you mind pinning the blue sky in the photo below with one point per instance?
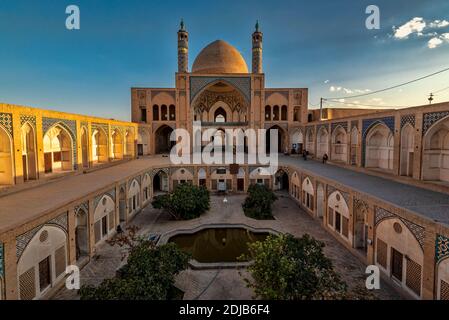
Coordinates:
(321, 44)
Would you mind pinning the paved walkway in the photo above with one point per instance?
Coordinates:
(228, 284)
(430, 204)
(33, 203)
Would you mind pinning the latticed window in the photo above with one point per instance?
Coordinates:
(382, 253)
(413, 279)
(60, 261)
(27, 285)
(444, 290)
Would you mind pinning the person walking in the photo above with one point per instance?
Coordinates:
(325, 158)
(304, 154)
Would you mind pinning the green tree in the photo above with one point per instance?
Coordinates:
(185, 202)
(148, 275)
(258, 204)
(287, 268)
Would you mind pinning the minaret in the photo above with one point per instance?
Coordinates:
(183, 49)
(257, 50)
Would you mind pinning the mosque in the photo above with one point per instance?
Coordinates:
(68, 180)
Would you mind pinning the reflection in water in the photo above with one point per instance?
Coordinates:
(217, 244)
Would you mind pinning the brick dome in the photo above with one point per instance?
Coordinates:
(219, 57)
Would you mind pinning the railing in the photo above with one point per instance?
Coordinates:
(224, 124)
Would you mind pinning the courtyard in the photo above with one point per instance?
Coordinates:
(228, 284)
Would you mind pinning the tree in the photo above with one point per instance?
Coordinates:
(258, 204)
(148, 275)
(185, 202)
(287, 268)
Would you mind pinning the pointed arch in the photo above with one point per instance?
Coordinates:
(407, 150)
(379, 147)
(435, 161)
(6, 158)
(339, 144)
(58, 149)
(99, 146)
(29, 158)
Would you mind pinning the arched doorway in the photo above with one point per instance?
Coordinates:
(310, 141)
(28, 152)
(43, 262)
(58, 148)
(104, 218)
(320, 201)
(84, 148)
(280, 139)
(339, 145)
(220, 115)
(81, 234)
(322, 143)
(407, 150)
(296, 187)
(129, 144)
(6, 163)
(399, 254)
(162, 139)
(117, 145)
(354, 145)
(297, 142)
(99, 146)
(338, 218)
(122, 205)
(142, 143)
(281, 181)
(361, 226)
(160, 182)
(134, 197)
(308, 194)
(436, 152)
(379, 150)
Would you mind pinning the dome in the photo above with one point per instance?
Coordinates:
(219, 57)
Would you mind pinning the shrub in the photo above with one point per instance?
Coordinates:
(287, 268)
(185, 202)
(258, 204)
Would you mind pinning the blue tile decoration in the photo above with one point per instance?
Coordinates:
(83, 206)
(324, 125)
(368, 124)
(243, 84)
(430, 118)
(6, 122)
(441, 248)
(23, 240)
(417, 231)
(331, 189)
(409, 118)
(70, 126)
(28, 118)
(344, 125)
(103, 126)
(110, 193)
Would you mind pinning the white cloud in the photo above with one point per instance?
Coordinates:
(327, 81)
(439, 24)
(434, 42)
(445, 36)
(416, 25)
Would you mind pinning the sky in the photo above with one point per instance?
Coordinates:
(321, 45)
